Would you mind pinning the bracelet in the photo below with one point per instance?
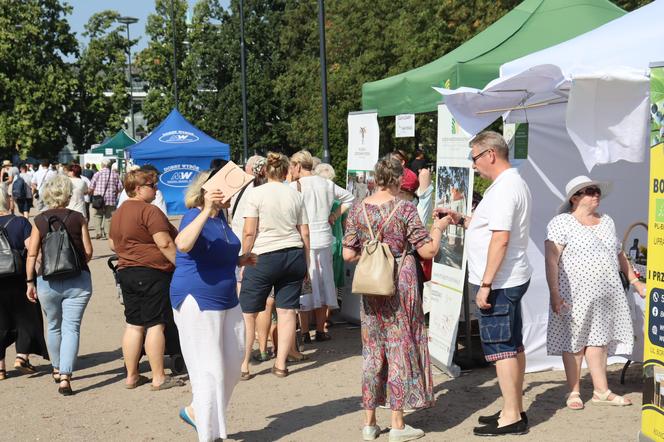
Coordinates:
(30, 281)
(632, 281)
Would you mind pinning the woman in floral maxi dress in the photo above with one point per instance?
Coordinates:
(394, 339)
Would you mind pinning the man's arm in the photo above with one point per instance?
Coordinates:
(495, 256)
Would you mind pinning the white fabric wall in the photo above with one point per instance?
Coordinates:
(553, 160)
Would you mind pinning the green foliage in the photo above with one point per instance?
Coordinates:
(101, 68)
(36, 86)
(630, 5)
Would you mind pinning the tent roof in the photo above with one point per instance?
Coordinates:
(119, 141)
(176, 137)
(629, 41)
(531, 26)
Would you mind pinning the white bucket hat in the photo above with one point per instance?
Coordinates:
(581, 182)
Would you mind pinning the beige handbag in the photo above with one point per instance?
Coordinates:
(374, 274)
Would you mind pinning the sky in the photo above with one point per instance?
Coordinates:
(140, 9)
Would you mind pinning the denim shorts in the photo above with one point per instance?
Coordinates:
(500, 325)
(282, 270)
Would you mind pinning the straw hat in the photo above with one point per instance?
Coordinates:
(6, 163)
(581, 182)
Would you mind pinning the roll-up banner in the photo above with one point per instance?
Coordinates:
(652, 409)
(363, 145)
(454, 190)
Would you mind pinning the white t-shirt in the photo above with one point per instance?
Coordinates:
(237, 218)
(319, 195)
(506, 206)
(158, 200)
(79, 190)
(279, 210)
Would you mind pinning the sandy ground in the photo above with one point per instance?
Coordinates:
(320, 400)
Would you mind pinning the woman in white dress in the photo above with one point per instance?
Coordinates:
(79, 190)
(589, 315)
(319, 194)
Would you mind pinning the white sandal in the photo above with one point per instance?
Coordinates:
(574, 398)
(617, 401)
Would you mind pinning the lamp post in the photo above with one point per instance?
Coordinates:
(323, 77)
(175, 56)
(128, 21)
(243, 83)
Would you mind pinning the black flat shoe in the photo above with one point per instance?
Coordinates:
(520, 427)
(322, 336)
(494, 417)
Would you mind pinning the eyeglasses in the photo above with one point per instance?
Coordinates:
(589, 191)
(479, 155)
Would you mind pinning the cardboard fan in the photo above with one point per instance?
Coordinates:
(230, 180)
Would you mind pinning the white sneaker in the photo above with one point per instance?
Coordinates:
(406, 434)
(370, 432)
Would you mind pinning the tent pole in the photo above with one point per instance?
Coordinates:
(323, 78)
(529, 106)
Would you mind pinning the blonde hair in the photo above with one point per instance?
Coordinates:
(304, 159)
(325, 170)
(57, 192)
(277, 166)
(315, 161)
(136, 178)
(194, 196)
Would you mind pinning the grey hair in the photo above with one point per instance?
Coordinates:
(489, 139)
(105, 162)
(57, 192)
(325, 170)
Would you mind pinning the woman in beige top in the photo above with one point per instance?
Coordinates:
(276, 229)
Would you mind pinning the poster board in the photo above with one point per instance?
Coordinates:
(363, 145)
(652, 410)
(454, 189)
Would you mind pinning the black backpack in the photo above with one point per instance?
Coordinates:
(60, 259)
(19, 190)
(12, 261)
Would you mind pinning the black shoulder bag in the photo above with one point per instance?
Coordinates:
(60, 259)
(97, 201)
(12, 261)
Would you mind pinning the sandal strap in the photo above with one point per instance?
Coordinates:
(602, 396)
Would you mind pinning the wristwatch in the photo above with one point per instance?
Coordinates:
(462, 221)
(485, 284)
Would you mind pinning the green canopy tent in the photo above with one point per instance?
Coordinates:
(531, 26)
(115, 146)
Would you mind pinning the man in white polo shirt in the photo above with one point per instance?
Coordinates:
(499, 274)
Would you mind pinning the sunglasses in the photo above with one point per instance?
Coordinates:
(152, 185)
(589, 191)
(479, 155)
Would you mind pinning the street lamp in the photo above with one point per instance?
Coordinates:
(323, 77)
(128, 21)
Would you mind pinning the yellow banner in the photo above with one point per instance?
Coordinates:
(652, 419)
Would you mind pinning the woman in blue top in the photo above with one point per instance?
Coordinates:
(206, 307)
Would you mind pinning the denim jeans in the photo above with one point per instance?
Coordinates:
(500, 325)
(64, 302)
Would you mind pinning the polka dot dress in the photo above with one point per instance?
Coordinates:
(589, 282)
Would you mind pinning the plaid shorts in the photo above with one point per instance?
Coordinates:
(500, 325)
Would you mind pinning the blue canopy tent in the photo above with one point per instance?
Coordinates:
(179, 150)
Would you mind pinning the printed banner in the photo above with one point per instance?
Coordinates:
(454, 190)
(652, 417)
(405, 125)
(363, 145)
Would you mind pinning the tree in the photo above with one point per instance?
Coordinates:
(36, 85)
(156, 62)
(101, 69)
(630, 5)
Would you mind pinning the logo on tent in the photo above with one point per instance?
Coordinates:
(178, 137)
(179, 175)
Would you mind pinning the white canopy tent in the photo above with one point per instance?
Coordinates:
(587, 104)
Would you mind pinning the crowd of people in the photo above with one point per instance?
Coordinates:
(266, 263)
